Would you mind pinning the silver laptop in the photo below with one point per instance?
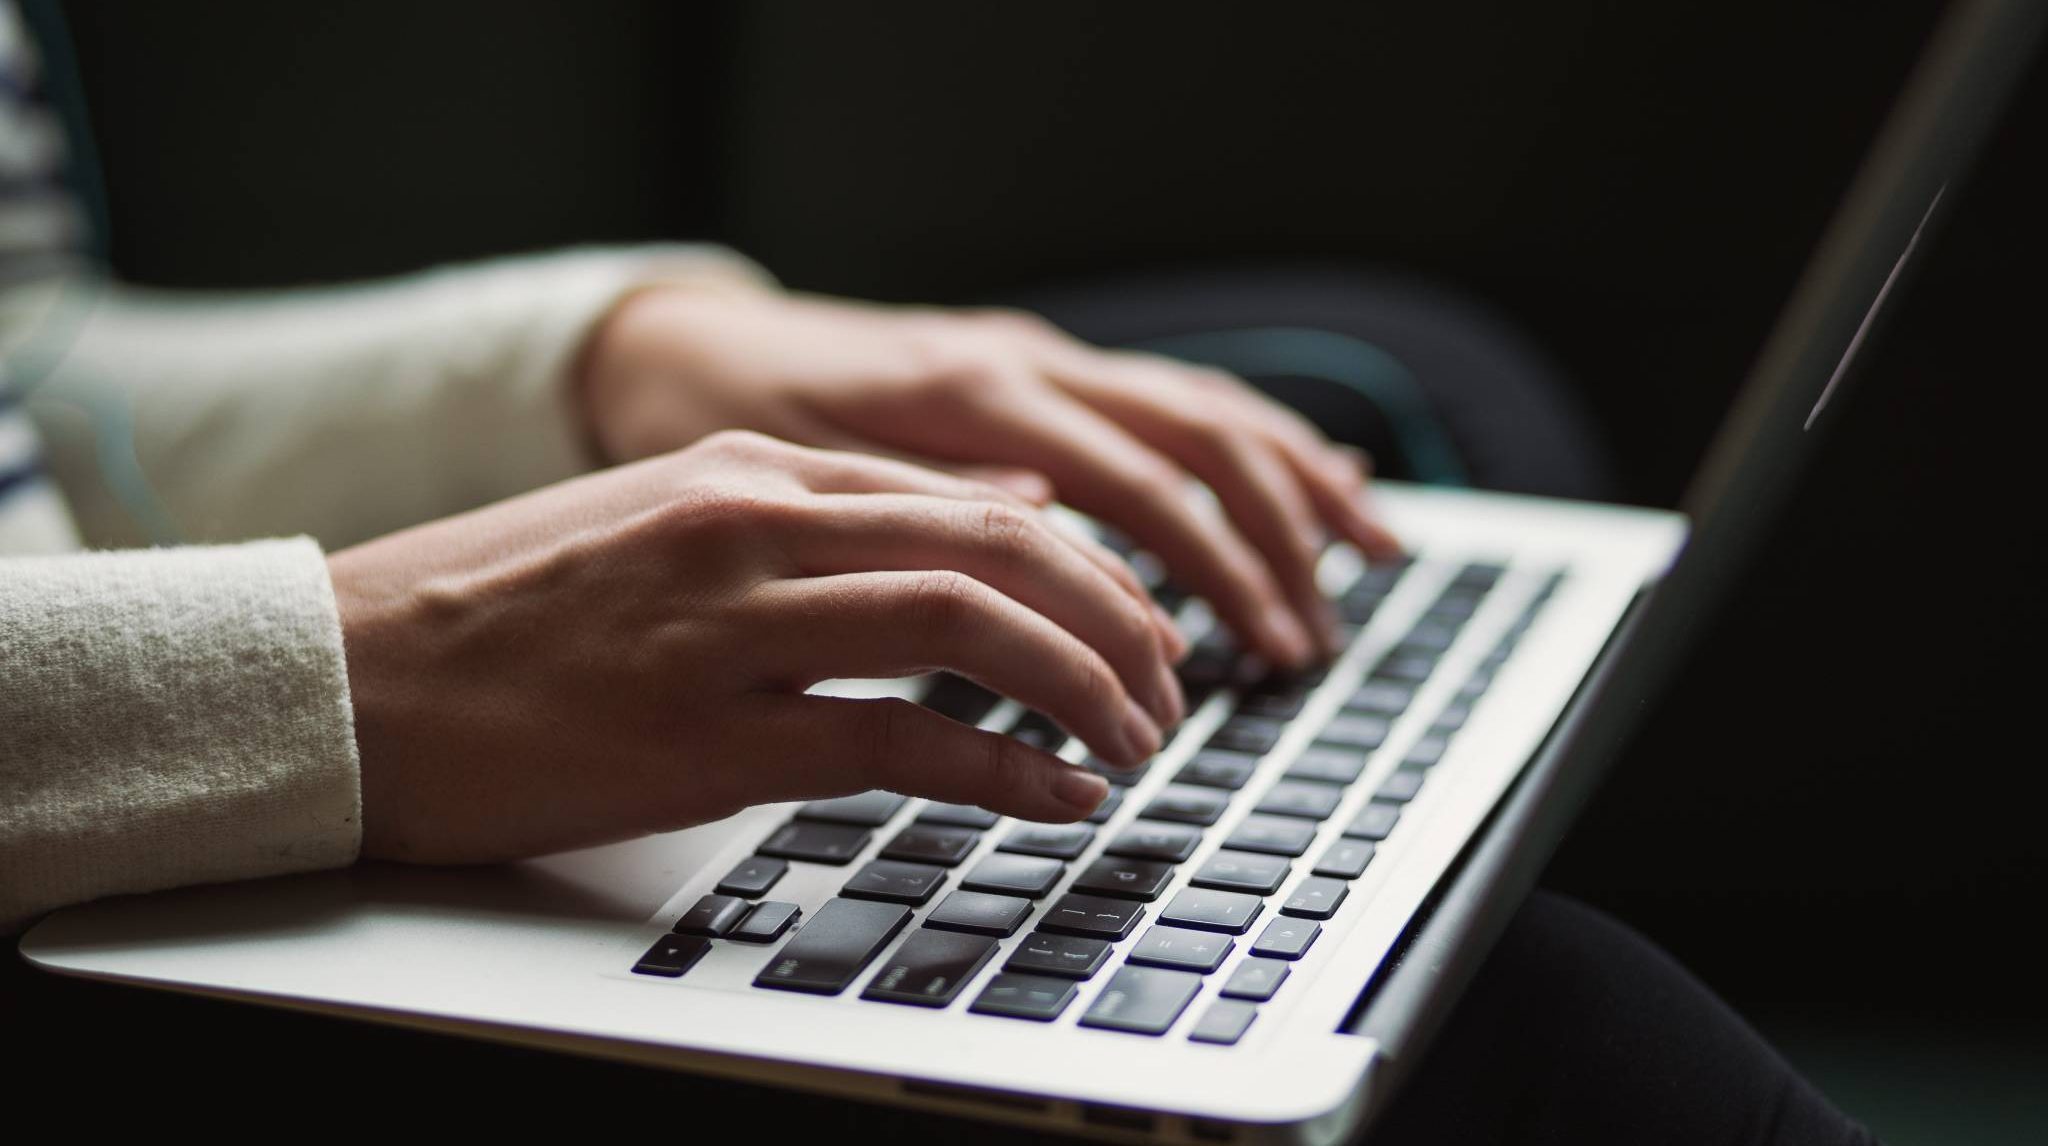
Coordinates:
(1255, 938)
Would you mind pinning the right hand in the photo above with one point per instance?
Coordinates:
(627, 652)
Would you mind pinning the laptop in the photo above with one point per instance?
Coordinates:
(1255, 938)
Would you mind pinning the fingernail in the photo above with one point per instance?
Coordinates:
(1286, 631)
(1176, 701)
(1140, 733)
(1080, 789)
(1176, 643)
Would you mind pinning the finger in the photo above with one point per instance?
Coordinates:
(1342, 502)
(894, 624)
(1016, 552)
(831, 746)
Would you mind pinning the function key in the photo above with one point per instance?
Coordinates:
(1255, 979)
(1303, 799)
(1002, 874)
(1401, 786)
(929, 968)
(1329, 764)
(711, 916)
(671, 956)
(1147, 839)
(1287, 938)
(932, 843)
(1118, 777)
(1224, 1022)
(1092, 916)
(1038, 730)
(959, 698)
(1198, 951)
(1346, 859)
(1107, 807)
(1057, 841)
(1208, 910)
(818, 843)
(1315, 898)
(1272, 835)
(1217, 769)
(1253, 734)
(1358, 731)
(1374, 821)
(765, 923)
(893, 881)
(1125, 878)
(980, 912)
(868, 809)
(1384, 697)
(841, 939)
(1016, 996)
(1426, 752)
(1068, 956)
(1243, 871)
(752, 876)
(1187, 804)
(1142, 1000)
(958, 816)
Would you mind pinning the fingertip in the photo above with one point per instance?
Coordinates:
(1080, 790)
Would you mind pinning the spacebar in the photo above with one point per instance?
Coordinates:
(834, 946)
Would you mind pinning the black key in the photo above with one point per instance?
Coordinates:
(1255, 979)
(1480, 575)
(1017, 996)
(1028, 876)
(1123, 878)
(1147, 839)
(1328, 763)
(834, 946)
(1426, 752)
(1107, 807)
(1205, 909)
(1431, 636)
(1401, 786)
(868, 809)
(929, 968)
(1286, 938)
(1038, 730)
(1456, 606)
(818, 843)
(711, 916)
(1346, 859)
(1358, 730)
(893, 881)
(1474, 686)
(1380, 696)
(1198, 951)
(932, 843)
(1142, 1000)
(752, 876)
(1243, 871)
(1383, 575)
(672, 955)
(1059, 841)
(1304, 799)
(980, 912)
(1093, 916)
(1213, 769)
(1374, 821)
(1118, 777)
(1357, 608)
(1186, 804)
(1407, 668)
(765, 923)
(1224, 1022)
(1451, 719)
(1272, 835)
(1253, 734)
(1069, 956)
(1277, 699)
(958, 816)
(959, 698)
(1315, 898)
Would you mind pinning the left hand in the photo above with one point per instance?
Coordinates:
(1007, 397)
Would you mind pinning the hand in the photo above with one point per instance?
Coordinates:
(628, 652)
(1118, 434)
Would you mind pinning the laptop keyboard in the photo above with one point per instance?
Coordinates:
(1269, 886)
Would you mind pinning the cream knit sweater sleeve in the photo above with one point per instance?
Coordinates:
(180, 715)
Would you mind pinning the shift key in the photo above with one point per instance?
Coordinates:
(839, 941)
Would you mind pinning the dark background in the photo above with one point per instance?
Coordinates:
(1837, 816)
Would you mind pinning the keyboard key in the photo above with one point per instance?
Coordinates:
(1243, 871)
(1303, 799)
(840, 940)
(1117, 777)
(1216, 769)
(1357, 730)
(1123, 878)
(671, 956)
(1069, 956)
(893, 881)
(958, 816)
(752, 876)
(1474, 686)
(1058, 841)
(1456, 606)
(1198, 951)
(818, 843)
(868, 809)
(1028, 876)
(932, 843)
(1253, 734)
(1272, 836)
(1346, 859)
(1426, 752)
(929, 968)
(1328, 763)
(980, 912)
(1092, 916)
(1401, 786)
(1107, 807)
(1015, 996)
(1206, 909)
(1142, 1000)
(1480, 575)
(1287, 938)
(1186, 804)
(1256, 979)
(1276, 699)
(959, 698)
(1451, 719)
(711, 916)
(1384, 698)
(1431, 636)
(1374, 821)
(1146, 839)
(765, 923)
(1315, 898)
(1038, 730)
(1224, 1022)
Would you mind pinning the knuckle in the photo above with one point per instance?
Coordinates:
(1007, 530)
(942, 601)
(887, 729)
